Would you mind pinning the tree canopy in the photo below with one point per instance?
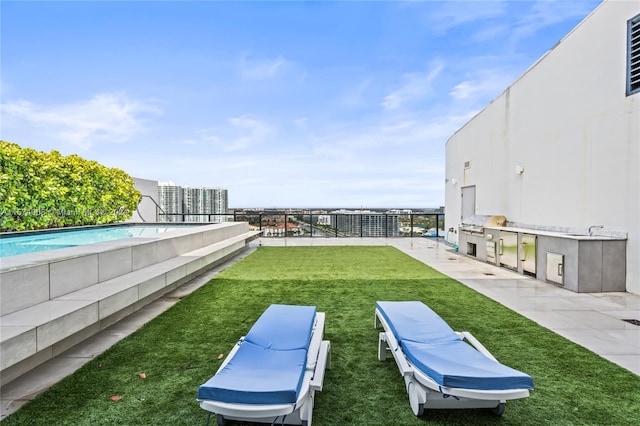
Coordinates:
(48, 190)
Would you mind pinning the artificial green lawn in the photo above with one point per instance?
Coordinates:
(179, 350)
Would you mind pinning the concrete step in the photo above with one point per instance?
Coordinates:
(37, 333)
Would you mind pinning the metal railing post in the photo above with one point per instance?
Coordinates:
(411, 225)
(386, 225)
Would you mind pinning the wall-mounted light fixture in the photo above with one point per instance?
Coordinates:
(519, 169)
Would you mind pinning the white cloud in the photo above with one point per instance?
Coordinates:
(356, 97)
(263, 69)
(385, 146)
(451, 14)
(488, 20)
(397, 161)
(107, 117)
(544, 13)
(414, 86)
(483, 85)
(238, 134)
(301, 123)
(491, 32)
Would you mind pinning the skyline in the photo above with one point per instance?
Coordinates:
(284, 104)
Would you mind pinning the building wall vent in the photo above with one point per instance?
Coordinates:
(633, 55)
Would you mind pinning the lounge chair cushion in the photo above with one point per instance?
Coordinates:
(432, 346)
(270, 363)
(283, 327)
(459, 365)
(416, 322)
(257, 375)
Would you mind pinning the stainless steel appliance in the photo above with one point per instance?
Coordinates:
(528, 254)
(475, 224)
(508, 250)
(472, 233)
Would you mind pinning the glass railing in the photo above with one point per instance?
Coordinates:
(366, 224)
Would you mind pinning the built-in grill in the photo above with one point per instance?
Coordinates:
(473, 241)
(475, 224)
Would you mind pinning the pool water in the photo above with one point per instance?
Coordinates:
(12, 245)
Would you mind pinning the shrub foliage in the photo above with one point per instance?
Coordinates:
(48, 190)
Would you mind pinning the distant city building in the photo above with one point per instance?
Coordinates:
(282, 230)
(401, 212)
(366, 223)
(170, 200)
(324, 219)
(191, 204)
(220, 202)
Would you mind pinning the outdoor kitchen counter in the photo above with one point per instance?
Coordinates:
(558, 234)
(575, 260)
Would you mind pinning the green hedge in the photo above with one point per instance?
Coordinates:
(48, 190)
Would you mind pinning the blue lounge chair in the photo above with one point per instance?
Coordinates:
(440, 369)
(272, 373)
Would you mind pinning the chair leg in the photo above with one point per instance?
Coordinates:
(382, 347)
(499, 410)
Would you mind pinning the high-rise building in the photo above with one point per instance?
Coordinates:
(220, 203)
(191, 204)
(366, 223)
(170, 200)
(204, 204)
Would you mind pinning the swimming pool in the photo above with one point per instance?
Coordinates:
(32, 242)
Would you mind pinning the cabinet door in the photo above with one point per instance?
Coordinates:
(528, 253)
(555, 268)
(508, 248)
(491, 252)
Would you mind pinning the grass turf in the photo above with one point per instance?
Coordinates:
(179, 350)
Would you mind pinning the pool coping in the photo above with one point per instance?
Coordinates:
(26, 260)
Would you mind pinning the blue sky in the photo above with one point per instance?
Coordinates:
(285, 104)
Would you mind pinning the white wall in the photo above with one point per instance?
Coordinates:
(147, 211)
(568, 122)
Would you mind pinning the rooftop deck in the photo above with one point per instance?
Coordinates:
(594, 321)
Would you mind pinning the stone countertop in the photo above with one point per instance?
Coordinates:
(558, 234)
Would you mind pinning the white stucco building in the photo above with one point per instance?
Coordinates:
(559, 149)
(147, 210)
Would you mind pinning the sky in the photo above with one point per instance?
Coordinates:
(285, 104)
